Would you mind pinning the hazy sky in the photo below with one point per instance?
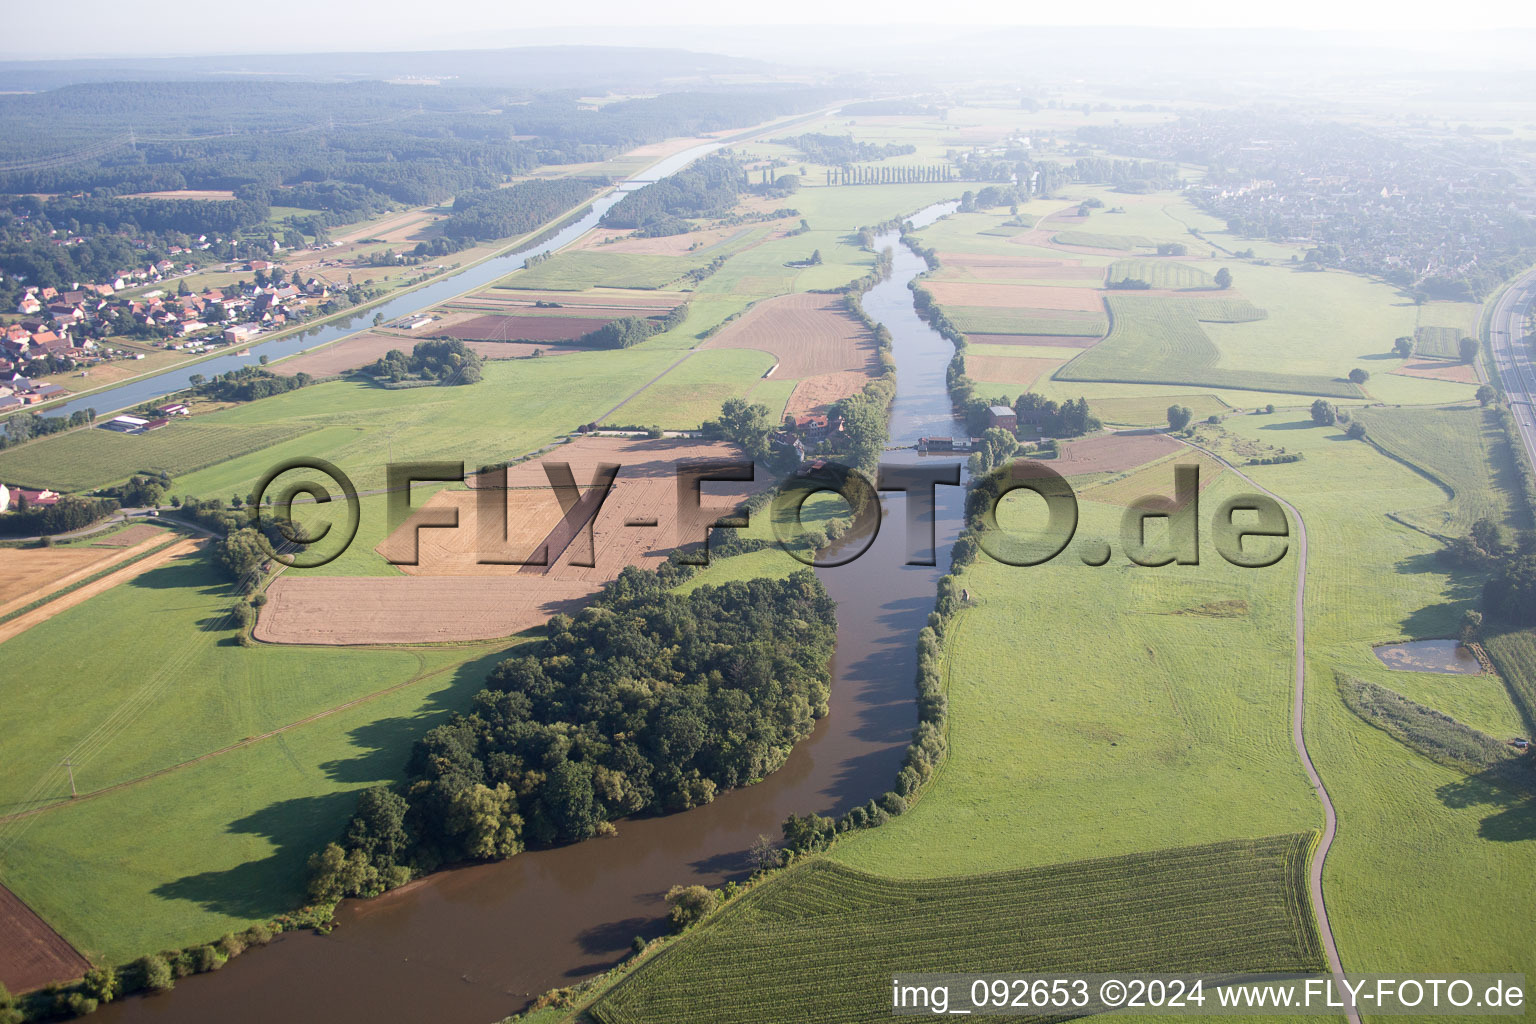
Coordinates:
(111, 27)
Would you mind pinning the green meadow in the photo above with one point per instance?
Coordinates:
(201, 834)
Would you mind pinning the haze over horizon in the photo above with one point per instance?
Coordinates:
(745, 30)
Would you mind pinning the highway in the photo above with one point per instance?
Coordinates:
(1512, 356)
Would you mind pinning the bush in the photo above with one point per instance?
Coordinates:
(689, 903)
(155, 973)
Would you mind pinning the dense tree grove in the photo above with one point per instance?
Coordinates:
(1067, 419)
(705, 188)
(842, 149)
(66, 514)
(646, 701)
(748, 424)
(248, 383)
(24, 426)
(445, 360)
(632, 330)
(502, 212)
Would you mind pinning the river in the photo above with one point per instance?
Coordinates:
(471, 945)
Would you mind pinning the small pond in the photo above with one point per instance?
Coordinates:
(1430, 656)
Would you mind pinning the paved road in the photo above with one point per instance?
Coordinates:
(1298, 736)
(1512, 357)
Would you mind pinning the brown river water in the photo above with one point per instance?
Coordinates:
(472, 945)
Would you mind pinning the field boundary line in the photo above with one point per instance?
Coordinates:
(1298, 733)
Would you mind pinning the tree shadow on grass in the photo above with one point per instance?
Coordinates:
(1463, 590)
(1509, 790)
(1306, 424)
(182, 574)
(382, 746)
(269, 885)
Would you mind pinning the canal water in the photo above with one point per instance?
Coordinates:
(471, 945)
(438, 290)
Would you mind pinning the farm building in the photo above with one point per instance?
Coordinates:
(125, 424)
(156, 424)
(1002, 416)
(240, 332)
(175, 409)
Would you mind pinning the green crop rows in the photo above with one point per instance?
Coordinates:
(1161, 273)
(1158, 340)
(1437, 342)
(1090, 240)
(822, 942)
(85, 459)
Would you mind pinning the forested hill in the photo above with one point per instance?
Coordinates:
(412, 144)
(646, 701)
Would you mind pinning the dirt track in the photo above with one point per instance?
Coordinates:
(33, 954)
(21, 623)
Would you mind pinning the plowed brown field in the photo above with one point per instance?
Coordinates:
(27, 574)
(1019, 372)
(33, 954)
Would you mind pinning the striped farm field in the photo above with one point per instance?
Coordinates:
(1437, 342)
(1019, 372)
(821, 942)
(578, 271)
(1060, 322)
(1160, 273)
(85, 459)
(1013, 296)
(1158, 340)
(1091, 240)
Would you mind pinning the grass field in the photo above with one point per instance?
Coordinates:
(1153, 410)
(574, 271)
(819, 943)
(189, 870)
(997, 320)
(1127, 700)
(1463, 448)
(85, 459)
(1158, 340)
(693, 392)
(1403, 819)
(1160, 273)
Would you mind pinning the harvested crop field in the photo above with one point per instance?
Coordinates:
(449, 596)
(25, 621)
(613, 240)
(1112, 453)
(1014, 296)
(129, 537)
(808, 334)
(1004, 270)
(1461, 373)
(520, 328)
(1015, 371)
(33, 954)
(608, 298)
(1154, 480)
(355, 353)
(818, 394)
(27, 574)
(1046, 340)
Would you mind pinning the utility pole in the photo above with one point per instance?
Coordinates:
(70, 764)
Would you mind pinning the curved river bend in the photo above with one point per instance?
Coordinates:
(471, 945)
